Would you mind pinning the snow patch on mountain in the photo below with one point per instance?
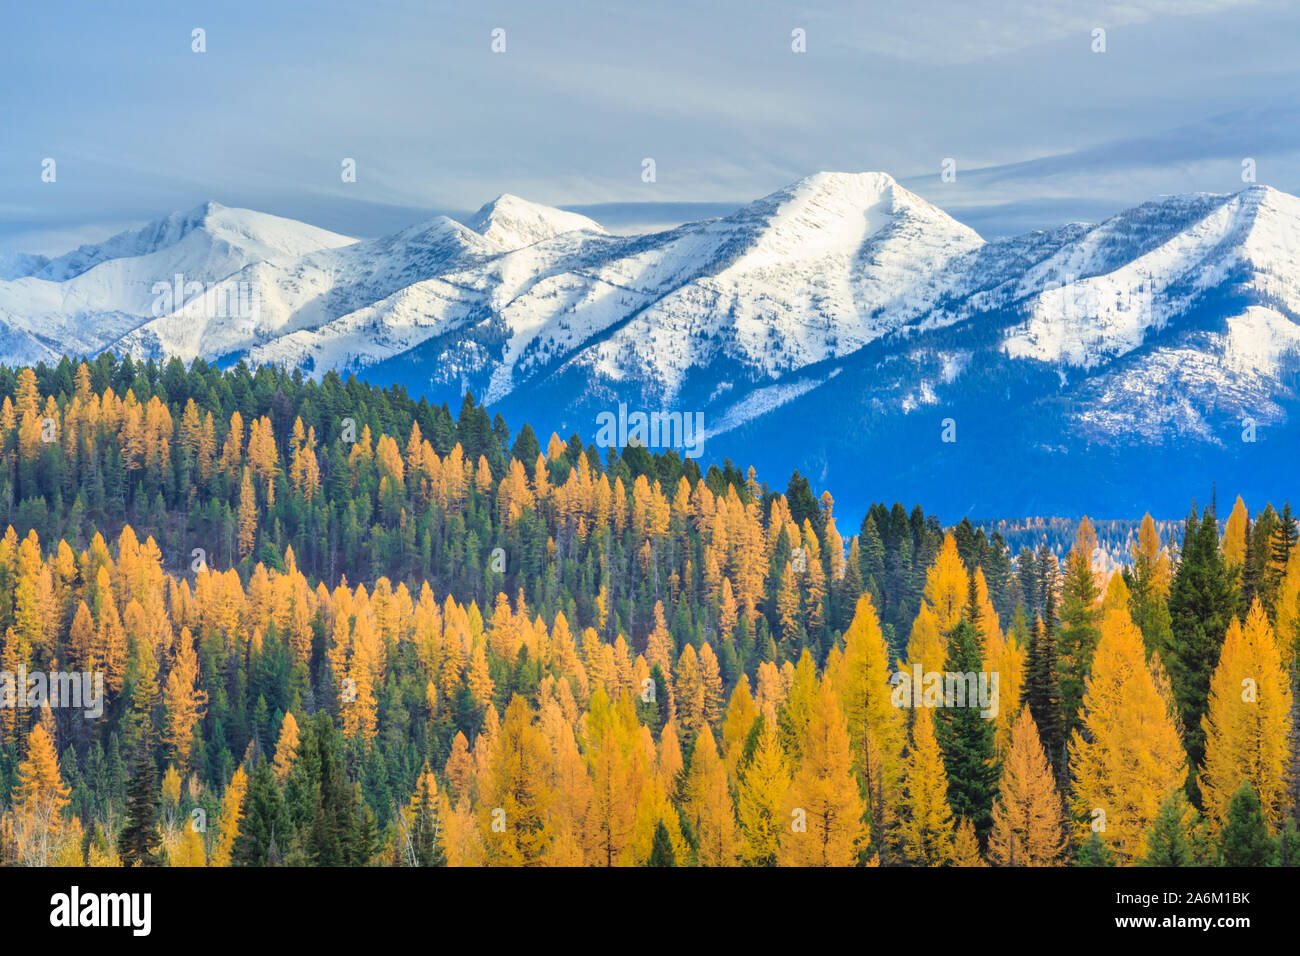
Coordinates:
(1200, 387)
(1258, 339)
(763, 400)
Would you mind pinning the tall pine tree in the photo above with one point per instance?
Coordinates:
(139, 839)
(966, 737)
(1202, 600)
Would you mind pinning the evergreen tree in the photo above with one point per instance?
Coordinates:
(1288, 845)
(1257, 577)
(661, 852)
(263, 822)
(1027, 575)
(1244, 840)
(1285, 535)
(966, 739)
(1094, 851)
(1202, 600)
(138, 842)
(1080, 611)
(1168, 841)
(1291, 792)
(1042, 693)
(426, 823)
(322, 803)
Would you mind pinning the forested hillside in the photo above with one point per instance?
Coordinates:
(338, 626)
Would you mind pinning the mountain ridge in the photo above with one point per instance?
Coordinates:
(1156, 325)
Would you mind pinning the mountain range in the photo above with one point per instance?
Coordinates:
(841, 326)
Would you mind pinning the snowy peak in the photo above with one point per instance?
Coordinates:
(831, 212)
(440, 232)
(255, 235)
(84, 301)
(273, 234)
(809, 273)
(1135, 275)
(296, 297)
(513, 223)
(237, 233)
(1272, 226)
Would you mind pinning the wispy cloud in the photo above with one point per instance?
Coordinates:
(140, 125)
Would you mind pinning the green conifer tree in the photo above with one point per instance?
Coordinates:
(967, 739)
(138, 842)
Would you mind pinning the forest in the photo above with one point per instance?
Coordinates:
(334, 625)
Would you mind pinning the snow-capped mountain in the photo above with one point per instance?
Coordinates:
(832, 326)
(513, 223)
(289, 296)
(82, 302)
(809, 273)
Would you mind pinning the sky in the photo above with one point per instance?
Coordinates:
(1043, 128)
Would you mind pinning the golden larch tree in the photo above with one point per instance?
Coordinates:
(1127, 757)
(741, 714)
(689, 693)
(232, 803)
(1233, 544)
(185, 704)
(927, 645)
(616, 780)
(1152, 555)
(926, 828)
(286, 747)
(876, 727)
(708, 804)
(38, 801)
(966, 845)
(824, 808)
(711, 675)
(248, 515)
(946, 586)
(1028, 816)
(1287, 607)
(1247, 722)
(514, 817)
(762, 786)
